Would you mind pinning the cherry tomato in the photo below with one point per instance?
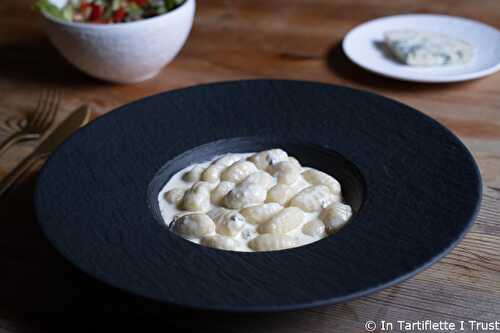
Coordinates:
(96, 12)
(118, 15)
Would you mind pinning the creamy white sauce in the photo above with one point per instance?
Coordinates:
(170, 212)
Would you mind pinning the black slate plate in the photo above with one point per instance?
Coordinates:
(414, 186)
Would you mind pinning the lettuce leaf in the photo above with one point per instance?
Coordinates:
(47, 7)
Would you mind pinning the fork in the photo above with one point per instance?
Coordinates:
(38, 123)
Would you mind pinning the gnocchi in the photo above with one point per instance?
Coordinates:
(220, 192)
(264, 201)
(335, 216)
(220, 242)
(197, 198)
(287, 172)
(245, 195)
(316, 177)
(313, 199)
(194, 174)
(212, 173)
(174, 196)
(281, 194)
(238, 171)
(227, 222)
(315, 228)
(193, 225)
(261, 213)
(294, 161)
(262, 178)
(269, 157)
(285, 221)
(272, 242)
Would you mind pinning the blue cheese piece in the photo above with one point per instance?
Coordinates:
(416, 48)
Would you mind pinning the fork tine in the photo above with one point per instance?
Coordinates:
(53, 111)
(39, 102)
(40, 111)
(45, 115)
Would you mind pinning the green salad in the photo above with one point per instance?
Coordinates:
(107, 11)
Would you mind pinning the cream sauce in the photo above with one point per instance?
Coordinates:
(169, 211)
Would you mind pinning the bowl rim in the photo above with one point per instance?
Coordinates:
(102, 26)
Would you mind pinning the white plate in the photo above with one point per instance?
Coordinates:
(362, 46)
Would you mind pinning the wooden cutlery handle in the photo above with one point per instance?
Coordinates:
(17, 172)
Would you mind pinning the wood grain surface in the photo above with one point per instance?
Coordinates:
(235, 40)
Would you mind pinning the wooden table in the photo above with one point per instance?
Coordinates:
(237, 39)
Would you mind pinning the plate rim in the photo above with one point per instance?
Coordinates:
(278, 308)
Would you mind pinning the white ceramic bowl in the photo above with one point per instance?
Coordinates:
(123, 52)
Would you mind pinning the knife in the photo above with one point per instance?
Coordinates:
(75, 120)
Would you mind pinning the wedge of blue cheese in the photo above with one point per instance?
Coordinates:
(416, 48)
